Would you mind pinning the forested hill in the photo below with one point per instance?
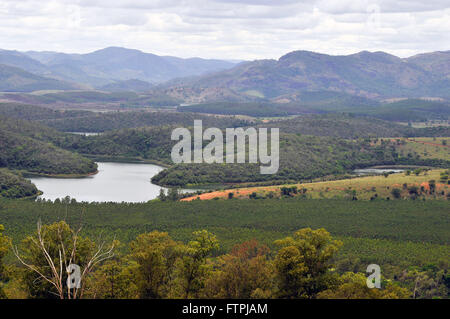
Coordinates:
(86, 121)
(27, 146)
(351, 126)
(302, 157)
(15, 186)
(114, 120)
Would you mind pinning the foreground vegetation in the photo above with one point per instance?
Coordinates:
(235, 220)
(408, 239)
(159, 267)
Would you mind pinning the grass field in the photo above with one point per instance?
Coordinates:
(427, 147)
(364, 188)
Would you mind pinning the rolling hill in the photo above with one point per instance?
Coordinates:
(28, 146)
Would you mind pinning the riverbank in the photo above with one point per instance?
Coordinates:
(27, 174)
(125, 159)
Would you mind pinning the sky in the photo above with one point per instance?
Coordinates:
(227, 29)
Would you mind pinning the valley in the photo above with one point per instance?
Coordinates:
(82, 146)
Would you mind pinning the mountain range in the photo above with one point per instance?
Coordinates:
(109, 66)
(373, 75)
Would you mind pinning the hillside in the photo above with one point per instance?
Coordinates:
(26, 146)
(365, 74)
(436, 62)
(394, 186)
(128, 85)
(408, 110)
(302, 157)
(13, 79)
(15, 186)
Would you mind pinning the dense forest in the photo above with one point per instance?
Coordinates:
(409, 243)
(15, 186)
(26, 146)
(87, 121)
(227, 108)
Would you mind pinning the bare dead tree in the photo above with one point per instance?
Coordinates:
(57, 272)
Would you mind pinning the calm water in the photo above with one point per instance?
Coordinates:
(115, 182)
(366, 171)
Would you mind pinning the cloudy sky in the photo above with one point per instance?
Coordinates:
(227, 29)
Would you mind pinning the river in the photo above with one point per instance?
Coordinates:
(115, 182)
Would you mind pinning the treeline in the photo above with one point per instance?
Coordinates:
(15, 186)
(256, 109)
(159, 267)
(36, 113)
(115, 98)
(100, 122)
(87, 121)
(350, 126)
(408, 110)
(346, 125)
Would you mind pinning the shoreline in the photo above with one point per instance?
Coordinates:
(33, 174)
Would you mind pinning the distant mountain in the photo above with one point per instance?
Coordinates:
(114, 64)
(22, 61)
(13, 79)
(128, 85)
(373, 75)
(436, 62)
(366, 74)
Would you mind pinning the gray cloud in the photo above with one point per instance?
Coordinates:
(240, 29)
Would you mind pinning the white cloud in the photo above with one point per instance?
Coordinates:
(244, 29)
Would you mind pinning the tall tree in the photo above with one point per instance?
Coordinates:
(155, 254)
(245, 273)
(354, 286)
(303, 263)
(5, 243)
(191, 269)
(49, 256)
